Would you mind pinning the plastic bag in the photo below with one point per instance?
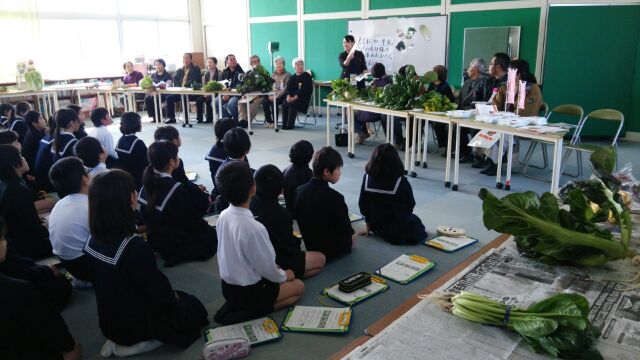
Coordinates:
(625, 175)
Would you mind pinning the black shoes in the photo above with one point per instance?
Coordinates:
(479, 163)
(466, 158)
(170, 121)
(490, 170)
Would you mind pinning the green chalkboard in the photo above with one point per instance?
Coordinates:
(327, 6)
(323, 44)
(286, 33)
(527, 19)
(593, 65)
(387, 4)
(258, 8)
(633, 120)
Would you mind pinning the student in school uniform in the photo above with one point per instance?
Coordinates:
(18, 124)
(10, 137)
(322, 214)
(28, 236)
(237, 145)
(7, 113)
(92, 154)
(279, 224)
(298, 173)
(32, 327)
(101, 118)
(217, 155)
(44, 157)
(82, 117)
(63, 138)
(172, 213)
(36, 130)
(252, 283)
(138, 310)
(386, 199)
(169, 133)
(132, 151)
(69, 219)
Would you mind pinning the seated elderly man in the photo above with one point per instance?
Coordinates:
(255, 102)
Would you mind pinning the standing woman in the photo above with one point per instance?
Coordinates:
(25, 231)
(281, 80)
(138, 310)
(63, 139)
(352, 61)
(386, 199)
(298, 95)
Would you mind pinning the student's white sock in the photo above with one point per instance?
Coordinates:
(139, 348)
(79, 284)
(107, 348)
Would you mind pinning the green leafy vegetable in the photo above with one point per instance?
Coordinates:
(342, 90)
(405, 91)
(436, 102)
(195, 85)
(34, 80)
(256, 79)
(146, 83)
(558, 326)
(212, 86)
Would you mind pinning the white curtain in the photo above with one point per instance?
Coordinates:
(21, 36)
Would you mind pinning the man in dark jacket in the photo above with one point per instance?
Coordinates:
(184, 77)
(232, 74)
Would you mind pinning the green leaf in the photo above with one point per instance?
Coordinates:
(534, 326)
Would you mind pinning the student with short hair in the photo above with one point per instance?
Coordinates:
(25, 230)
(279, 224)
(252, 283)
(32, 327)
(298, 173)
(217, 155)
(169, 133)
(237, 145)
(386, 199)
(138, 310)
(101, 118)
(10, 137)
(322, 214)
(7, 114)
(82, 117)
(132, 151)
(69, 219)
(18, 124)
(36, 130)
(92, 154)
(172, 212)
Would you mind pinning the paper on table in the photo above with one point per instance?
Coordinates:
(316, 318)
(405, 268)
(255, 331)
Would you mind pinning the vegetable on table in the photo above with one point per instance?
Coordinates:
(342, 90)
(213, 86)
(257, 79)
(147, 83)
(436, 102)
(558, 326)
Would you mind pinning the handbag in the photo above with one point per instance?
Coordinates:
(342, 138)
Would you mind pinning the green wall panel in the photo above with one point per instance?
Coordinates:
(593, 66)
(456, 2)
(327, 6)
(388, 4)
(286, 33)
(633, 121)
(323, 44)
(258, 8)
(527, 19)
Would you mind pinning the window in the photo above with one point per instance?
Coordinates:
(154, 8)
(156, 39)
(98, 7)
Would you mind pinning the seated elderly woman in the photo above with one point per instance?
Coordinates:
(281, 79)
(298, 94)
(380, 79)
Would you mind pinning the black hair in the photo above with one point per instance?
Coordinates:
(441, 71)
(215, 60)
(8, 137)
(161, 61)
(226, 59)
(384, 163)
(378, 70)
(22, 107)
(51, 126)
(189, 55)
(75, 108)
(326, 158)
(236, 143)
(97, 115)
(3, 227)
(111, 217)
(501, 59)
(63, 118)
(269, 182)
(349, 38)
(522, 67)
(234, 180)
(222, 127)
(166, 132)
(8, 107)
(124, 66)
(10, 160)
(403, 70)
(31, 118)
(159, 153)
(130, 123)
(301, 153)
(66, 175)
(88, 149)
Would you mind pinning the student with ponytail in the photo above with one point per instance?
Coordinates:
(36, 130)
(172, 212)
(63, 139)
(44, 157)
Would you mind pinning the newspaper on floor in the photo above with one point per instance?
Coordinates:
(502, 274)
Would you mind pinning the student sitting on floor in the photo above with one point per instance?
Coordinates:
(37, 125)
(279, 224)
(69, 219)
(63, 138)
(54, 286)
(29, 237)
(7, 114)
(82, 116)
(252, 283)
(132, 151)
(169, 133)
(237, 145)
(93, 156)
(137, 308)
(386, 199)
(321, 212)
(18, 124)
(44, 157)
(172, 213)
(32, 327)
(101, 118)
(217, 155)
(298, 173)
